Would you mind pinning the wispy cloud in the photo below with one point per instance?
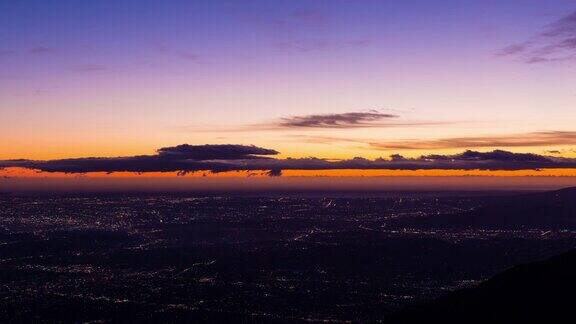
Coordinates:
(518, 140)
(350, 120)
(7, 52)
(287, 22)
(321, 44)
(189, 56)
(40, 50)
(371, 118)
(326, 139)
(307, 15)
(90, 68)
(555, 43)
(302, 30)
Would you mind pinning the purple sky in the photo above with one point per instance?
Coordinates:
(330, 79)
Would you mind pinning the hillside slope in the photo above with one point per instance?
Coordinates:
(540, 291)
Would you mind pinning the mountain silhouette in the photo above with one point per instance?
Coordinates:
(536, 292)
(546, 210)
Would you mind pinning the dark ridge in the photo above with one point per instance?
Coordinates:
(541, 292)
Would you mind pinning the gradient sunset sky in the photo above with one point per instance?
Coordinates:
(331, 79)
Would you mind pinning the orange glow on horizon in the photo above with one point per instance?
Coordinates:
(27, 173)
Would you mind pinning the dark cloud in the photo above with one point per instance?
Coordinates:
(370, 118)
(561, 152)
(556, 43)
(118, 164)
(519, 140)
(219, 158)
(214, 152)
(182, 158)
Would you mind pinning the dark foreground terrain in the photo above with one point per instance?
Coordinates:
(539, 292)
(150, 258)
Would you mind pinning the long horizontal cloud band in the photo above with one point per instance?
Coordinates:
(520, 140)
(220, 158)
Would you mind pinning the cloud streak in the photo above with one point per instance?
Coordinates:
(348, 120)
(7, 52)
(519, 140)
(372, 118)
(90, 68)
(220, 158)
(555, 43)
(321, 44)
(40, 50)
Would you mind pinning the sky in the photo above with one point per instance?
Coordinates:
(324, 80)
